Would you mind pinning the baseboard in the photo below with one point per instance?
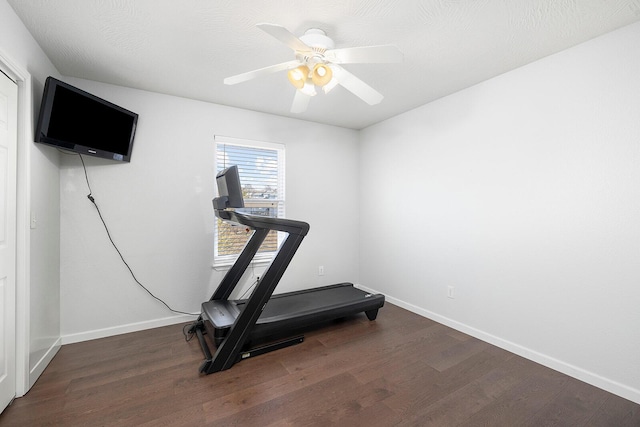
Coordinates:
(124, 329)
(588, 377)
(40, 365)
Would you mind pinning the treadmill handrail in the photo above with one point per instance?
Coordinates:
(229, 351)
(290, 226)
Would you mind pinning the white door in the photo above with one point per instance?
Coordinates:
(8, 149)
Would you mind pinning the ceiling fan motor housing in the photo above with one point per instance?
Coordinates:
(317, 39)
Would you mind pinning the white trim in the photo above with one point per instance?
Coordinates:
(44, 361)
(25, 136)
(581, 374)
(221, 139)
(125, 329)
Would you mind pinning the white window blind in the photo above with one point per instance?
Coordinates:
(261, 169)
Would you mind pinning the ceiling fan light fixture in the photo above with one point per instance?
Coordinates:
(298, 76)
(321, 75)
(315, 51)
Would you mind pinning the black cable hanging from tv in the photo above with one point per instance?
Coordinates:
(92, 199)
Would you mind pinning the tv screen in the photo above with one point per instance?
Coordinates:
(75, 120)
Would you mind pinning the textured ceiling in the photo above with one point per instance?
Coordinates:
(187, 48)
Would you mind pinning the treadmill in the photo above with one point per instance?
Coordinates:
(241, 329)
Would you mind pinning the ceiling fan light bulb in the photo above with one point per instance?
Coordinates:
(321, 75)
(298, 76)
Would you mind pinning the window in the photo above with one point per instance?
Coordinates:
(261, 168)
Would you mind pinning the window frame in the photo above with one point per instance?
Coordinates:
(225, 261)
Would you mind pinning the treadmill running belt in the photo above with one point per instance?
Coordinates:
(306, 302)
(294, 310)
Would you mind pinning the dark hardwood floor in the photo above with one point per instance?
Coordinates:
(401, 369)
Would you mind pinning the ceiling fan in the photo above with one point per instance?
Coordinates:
(317, 65)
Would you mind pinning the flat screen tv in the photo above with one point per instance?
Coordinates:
(75, 120)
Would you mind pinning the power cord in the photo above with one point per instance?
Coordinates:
(92, 199)
(253, 285)
(189, 330)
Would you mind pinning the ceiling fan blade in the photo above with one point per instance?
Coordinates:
(239, 78)
(300, 102)
(285, 36)
(356, 86)
(365, 55)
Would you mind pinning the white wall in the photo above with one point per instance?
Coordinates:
(520, 192)
(523, 193)
(38, 285)
(158, 210)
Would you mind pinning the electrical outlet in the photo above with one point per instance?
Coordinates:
(450, 292)
(321, 270)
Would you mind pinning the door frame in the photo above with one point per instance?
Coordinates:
(25, 136)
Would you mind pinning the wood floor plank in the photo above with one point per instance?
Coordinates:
(408, 351)
(521, 403)
(574, 405)
(313, 397)
(429, 386)
(463, 403)
(400, 370)
(263, 392)
(455, 354)
(349, 405)
(617, 412)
